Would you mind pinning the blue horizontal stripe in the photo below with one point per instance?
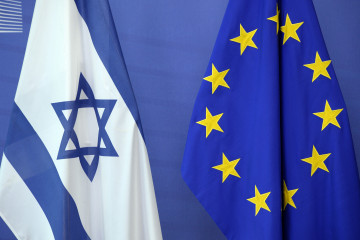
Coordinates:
(28, 155)
(5, 231)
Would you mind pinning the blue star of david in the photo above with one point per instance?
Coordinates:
(104, 146)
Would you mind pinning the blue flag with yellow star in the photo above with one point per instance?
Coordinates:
(269, 152)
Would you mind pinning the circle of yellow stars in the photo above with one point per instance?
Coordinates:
(328, 116)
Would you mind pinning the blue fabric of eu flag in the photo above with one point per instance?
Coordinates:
(269, 152)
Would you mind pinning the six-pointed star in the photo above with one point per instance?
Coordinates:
(85, 99)
(105, 147)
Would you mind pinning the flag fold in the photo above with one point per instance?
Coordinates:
(269, 152)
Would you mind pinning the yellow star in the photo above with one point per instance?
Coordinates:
(290, 29)
(329, 116)
(319, 67)
(211, 122)
(317, 161)
(245, 39)
(227, 168)
(217, 78)
(259, 200)
(287, 196)
(276, 18)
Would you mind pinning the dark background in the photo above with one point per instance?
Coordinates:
(167, 45)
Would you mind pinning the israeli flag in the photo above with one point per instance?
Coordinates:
(75, 164)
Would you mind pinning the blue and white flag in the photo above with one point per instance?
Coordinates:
(75, 165)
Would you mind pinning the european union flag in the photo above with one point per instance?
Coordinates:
(269, 151)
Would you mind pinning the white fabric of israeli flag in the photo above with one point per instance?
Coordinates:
(75, 165)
